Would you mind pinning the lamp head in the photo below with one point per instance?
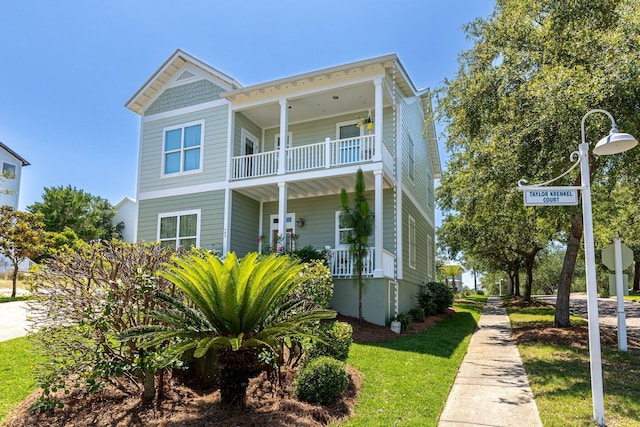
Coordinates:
(614, 143)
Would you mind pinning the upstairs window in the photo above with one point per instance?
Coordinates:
(411, 159)
(8, 170)
(182, 149)
(179, 229)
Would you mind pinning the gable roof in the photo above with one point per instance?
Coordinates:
(14, 154)
(139, 101)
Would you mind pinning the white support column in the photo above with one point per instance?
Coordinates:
(327, 152)
(226, 232)
(282, 209)
(284, 131)
(378, 227)
(622, 321)
(379, 119)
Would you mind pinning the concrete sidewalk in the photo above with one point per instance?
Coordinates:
(13, 320)
(491, 388)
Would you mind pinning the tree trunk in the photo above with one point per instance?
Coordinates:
(509, 283)
(561, 319)
(636, 277)
(516, 287)
(360, 286)
(15, 279)
(235, 367)
(528, 266)
(149, 384)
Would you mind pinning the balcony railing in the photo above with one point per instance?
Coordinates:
(341, 263)
(330, 153)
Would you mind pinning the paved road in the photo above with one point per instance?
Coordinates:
(13, 320)
(607, 311)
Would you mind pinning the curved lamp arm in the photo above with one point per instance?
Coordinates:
(614, 126)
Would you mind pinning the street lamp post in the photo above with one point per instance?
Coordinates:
(546, 195)
(614, 143)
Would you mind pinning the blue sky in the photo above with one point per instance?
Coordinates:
(68, 66)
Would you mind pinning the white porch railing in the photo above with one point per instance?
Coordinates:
(255, 165)
(341, 263)
(330, 153)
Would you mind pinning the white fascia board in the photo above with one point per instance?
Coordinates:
(180, 191)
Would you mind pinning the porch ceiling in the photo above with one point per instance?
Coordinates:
(305, 188)
(333, 102)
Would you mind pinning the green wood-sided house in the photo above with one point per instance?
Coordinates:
(234, 168)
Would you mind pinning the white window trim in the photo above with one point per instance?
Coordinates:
(182, 126)
(347, 123)
(15, 171)
(430, 258)
(276, 139)
(412, 242)
(245, 134)
(337, 233)
(178, 214)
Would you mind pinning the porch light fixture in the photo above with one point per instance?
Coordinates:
(300, 222)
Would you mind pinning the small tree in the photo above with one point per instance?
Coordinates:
(359, 221)
(22, 236)
(451, 270)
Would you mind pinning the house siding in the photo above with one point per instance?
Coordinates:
(185, 95)
(210, 203)
(214, 151)
(423, 229)
(422, 182)
(10, 185)
(244, 227)
(242, 122)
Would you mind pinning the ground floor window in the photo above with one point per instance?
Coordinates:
(412, 242)
(179, 229)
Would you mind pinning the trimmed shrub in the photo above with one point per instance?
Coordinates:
(405, 321)
(338, 339)
(321, 380)
(417, 314)
(308, 253)
(435, 293)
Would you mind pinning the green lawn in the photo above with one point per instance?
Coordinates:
(17, 357)
(407, 381)
(560, 378)
(634, 297)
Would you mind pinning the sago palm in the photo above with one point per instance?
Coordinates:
(240, 308)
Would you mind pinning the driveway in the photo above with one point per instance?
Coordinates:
(13, 320)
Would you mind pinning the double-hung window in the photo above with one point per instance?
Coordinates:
(179, 229)
(182, 149)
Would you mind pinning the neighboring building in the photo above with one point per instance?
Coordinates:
(213, 171)
(127, 213)
(11, 164)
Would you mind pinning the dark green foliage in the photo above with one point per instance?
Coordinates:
(89, 216)
(435, 294)
(417, 314)
(405, 321)
(308, 254)
(321, 380)
(337, 342)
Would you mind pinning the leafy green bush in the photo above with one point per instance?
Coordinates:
(308, 253)
(321, 380)
(316, 289)
(479, 292)
(337, 342)
(435, 293)
(405, 321)
(417, 314)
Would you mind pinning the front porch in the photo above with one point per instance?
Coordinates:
(327, 154)
(341, 263)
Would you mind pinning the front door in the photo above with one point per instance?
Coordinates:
(284, 243)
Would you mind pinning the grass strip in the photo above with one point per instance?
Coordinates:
(17, 359)
(560, 377)
(407, 381)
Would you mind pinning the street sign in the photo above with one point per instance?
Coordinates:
(609, 260)
(543, 197)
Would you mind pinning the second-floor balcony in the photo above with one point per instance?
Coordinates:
(326, 154)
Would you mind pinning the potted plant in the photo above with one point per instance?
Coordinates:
(366, 121)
